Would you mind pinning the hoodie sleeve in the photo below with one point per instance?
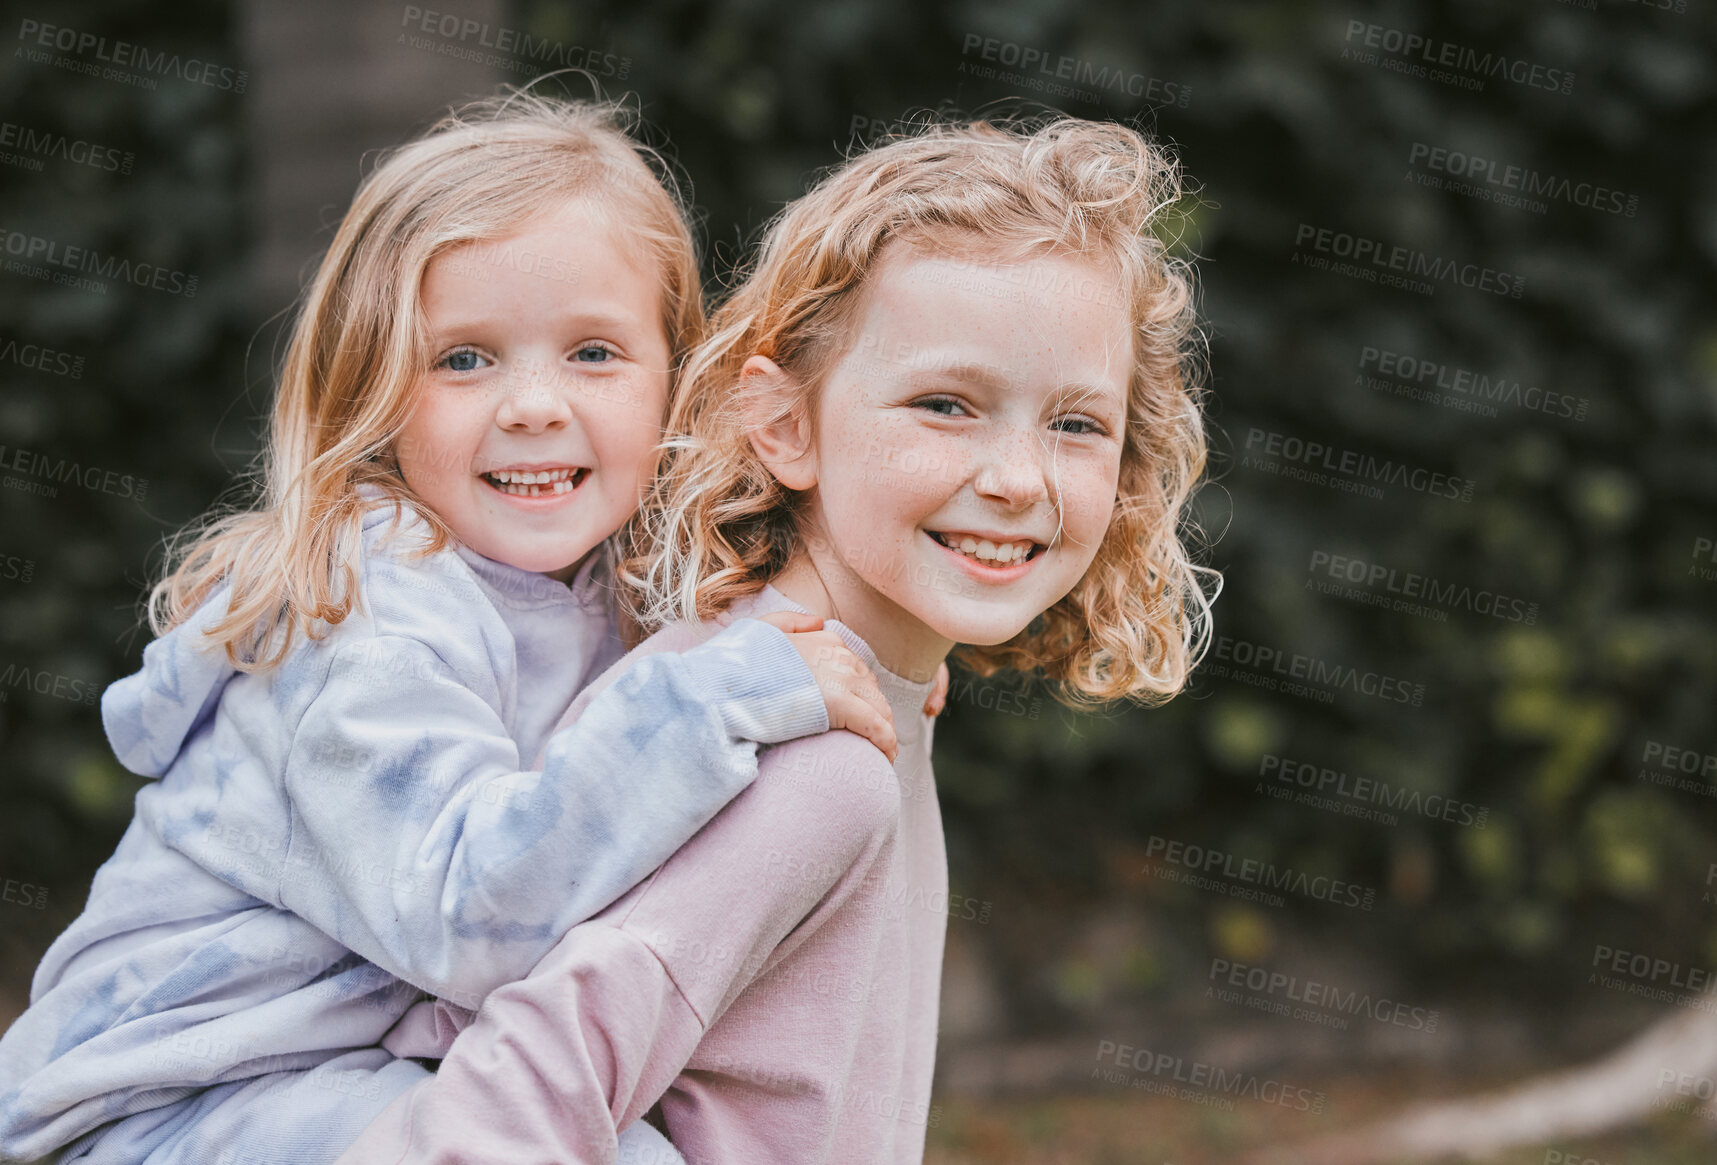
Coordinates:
(559, 1062)
(420, 841)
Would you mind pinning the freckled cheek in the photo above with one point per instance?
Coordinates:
(844, 446)
(1087, 501)
(883, 488)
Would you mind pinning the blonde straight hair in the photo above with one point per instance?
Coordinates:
(360, 341)
(718, 525)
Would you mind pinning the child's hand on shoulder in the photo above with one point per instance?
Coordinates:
(938, 697)
(849, 689)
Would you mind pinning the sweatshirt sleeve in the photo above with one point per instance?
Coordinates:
(420, 842)
(557, 1064)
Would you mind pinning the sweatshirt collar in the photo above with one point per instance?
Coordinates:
(898, 689)
(528, 588)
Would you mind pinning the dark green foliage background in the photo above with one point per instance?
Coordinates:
(160, 372)
(1594, 520)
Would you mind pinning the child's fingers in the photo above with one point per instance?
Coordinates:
(859, 713)
(865, 686)
(850, 691)
(938, 697)
(792, 622)
(830, 660)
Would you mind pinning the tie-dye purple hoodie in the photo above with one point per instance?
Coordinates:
(321, 844)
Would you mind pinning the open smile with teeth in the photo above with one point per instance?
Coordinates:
(984, 550)
(537, 483)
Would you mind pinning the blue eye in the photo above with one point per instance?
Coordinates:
(1086, 425)
(461, 360)
(942, 406)
(592, 354)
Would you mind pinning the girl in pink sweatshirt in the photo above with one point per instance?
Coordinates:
(952, 405)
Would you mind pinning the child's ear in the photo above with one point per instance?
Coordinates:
(779, 430)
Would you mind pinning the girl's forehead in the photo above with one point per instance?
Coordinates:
(1050, 281)
(1050, 322)
(1028, 296)
(971, 249)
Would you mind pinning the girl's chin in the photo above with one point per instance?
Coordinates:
(975, 632)
(537, 562)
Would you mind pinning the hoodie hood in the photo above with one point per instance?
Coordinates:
(148, 716)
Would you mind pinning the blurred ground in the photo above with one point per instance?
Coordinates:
(1150, 1130)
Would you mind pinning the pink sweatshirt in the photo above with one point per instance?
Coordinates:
(774, 984)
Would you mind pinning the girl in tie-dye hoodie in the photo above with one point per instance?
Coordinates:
(357, 797)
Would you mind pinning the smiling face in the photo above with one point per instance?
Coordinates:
(966, 450)
(534, 426)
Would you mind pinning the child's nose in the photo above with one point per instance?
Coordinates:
(1015, 469)
(532, 400)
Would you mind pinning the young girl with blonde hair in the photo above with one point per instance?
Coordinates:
(353, 682)
(951, 405)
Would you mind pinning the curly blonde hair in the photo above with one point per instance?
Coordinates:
(717, 525)
(360, 341)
